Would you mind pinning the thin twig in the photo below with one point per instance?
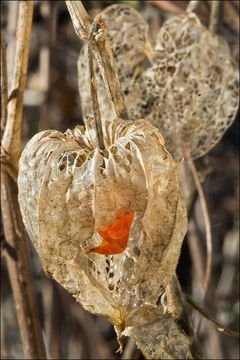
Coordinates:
(46, 61)
(56, 323)
(4, 84)
(19, 267)
(80, 18)
(216, 16)
(103, 53)
(192, 5)
(11, 38)
(109, 72)
(11, 141)
(210, 318)
(19, 270)
(196, 252)
(176, 306)
(166, 6)
(93, 86)
(232, 15)
(131, 351)
(207, 223)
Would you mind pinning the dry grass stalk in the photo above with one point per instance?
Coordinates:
(17, 260)
(192, 5)
(207, 224)
(216, 16)
(11, 36)
(167, 6)
(11, 141)
(211, 319)
(4, 84)
(93, 86)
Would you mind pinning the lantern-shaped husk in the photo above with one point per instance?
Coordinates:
(186, 83)
(69, 190)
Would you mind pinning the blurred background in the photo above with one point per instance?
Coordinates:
(52, 101)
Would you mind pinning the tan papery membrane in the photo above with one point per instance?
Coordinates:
(68, 190)
(186, 83)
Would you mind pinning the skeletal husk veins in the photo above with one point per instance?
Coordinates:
(69, 190)
(186, 83)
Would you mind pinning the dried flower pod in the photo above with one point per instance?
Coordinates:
(69, 190)
(187, 86)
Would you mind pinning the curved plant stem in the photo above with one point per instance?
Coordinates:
(17, 259)
(93, 86)
(207, 224)
(210, 318)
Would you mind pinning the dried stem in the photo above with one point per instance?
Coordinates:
(103, 53)
(18, 265)
(11, 141)
(11, 37)
(170, 324)
(189, 187)
(210, 318)
(4, 84)
(166, 6)
(80, 18)
(131, 351)
(216, 16)
(207, 223)
(93, 86)
(196, 252)
(192, 5)
(232, 15)
(19, 270)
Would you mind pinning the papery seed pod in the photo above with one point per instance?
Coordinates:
(187, 85)
(69, 190)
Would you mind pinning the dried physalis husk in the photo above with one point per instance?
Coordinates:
(69, 190)
(186, 84)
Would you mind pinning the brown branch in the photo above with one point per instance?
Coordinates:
(166, 6)
(189, 189)
(80, 18)
(192, 5)
(103, 53)
(196, 252)
(19, 271)
(93, 86)
(232, 15)
(11, 36)
(4, 84)
(131, 351)
(207, 223)
(18, 267)
(216, 16)
(11, 141)
(210, 318)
